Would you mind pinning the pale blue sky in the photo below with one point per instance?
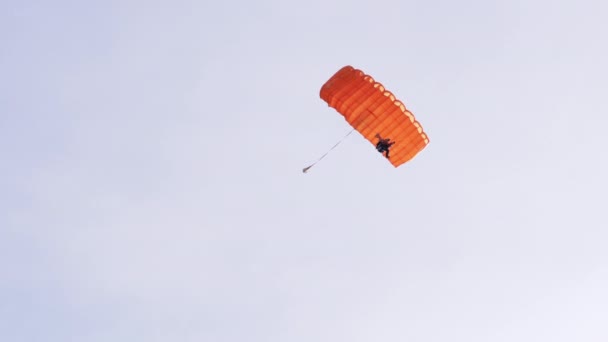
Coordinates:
(151, 185)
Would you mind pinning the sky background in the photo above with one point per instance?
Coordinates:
(151, 185)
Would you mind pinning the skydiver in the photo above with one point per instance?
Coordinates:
(383, 145)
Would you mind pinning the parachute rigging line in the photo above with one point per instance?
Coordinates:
(304, 170)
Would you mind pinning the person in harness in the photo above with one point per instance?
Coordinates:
(383, 145)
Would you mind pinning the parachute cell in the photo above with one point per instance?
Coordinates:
(371, 109)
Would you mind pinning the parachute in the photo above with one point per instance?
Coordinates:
(371, 109)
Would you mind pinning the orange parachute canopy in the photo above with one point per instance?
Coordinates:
(371, 109)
